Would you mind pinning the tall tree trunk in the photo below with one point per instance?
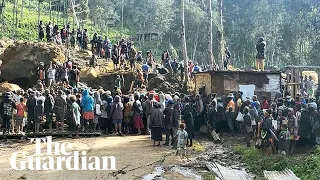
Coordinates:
(13, 17)
(210, 53)
(221, 41)
(184, 43)
(2, 14)
(22, 8)
(122, 18)
(38, 17)
(195, 43)
(58, 14)
(75, 18)
(29, 26)
(65, 13)
(50, 9)
(16, 9)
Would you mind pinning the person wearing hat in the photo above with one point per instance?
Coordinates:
(171, 123)
(230, 112)
(48, 108)
(6, 109)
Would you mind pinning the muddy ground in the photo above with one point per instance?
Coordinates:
(135, 156)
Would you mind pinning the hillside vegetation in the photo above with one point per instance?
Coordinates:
(291, 28)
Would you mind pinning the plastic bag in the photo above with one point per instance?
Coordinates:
(239, 117)
(98, 110)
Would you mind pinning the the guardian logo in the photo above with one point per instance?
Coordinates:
(59, 158)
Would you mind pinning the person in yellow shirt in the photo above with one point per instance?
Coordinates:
(230, 112)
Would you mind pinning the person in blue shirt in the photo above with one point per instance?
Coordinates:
(196, 68)
(87, 106)
(174, 66)
(145, 70)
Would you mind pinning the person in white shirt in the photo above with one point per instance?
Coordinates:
(51, 75)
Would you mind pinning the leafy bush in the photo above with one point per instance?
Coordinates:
(305, 166)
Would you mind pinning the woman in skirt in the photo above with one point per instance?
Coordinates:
(156, 124)
(137, 114)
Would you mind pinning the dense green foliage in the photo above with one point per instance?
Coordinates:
(291, 27)
(305, 166)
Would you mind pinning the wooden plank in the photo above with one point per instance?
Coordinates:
(60, 134)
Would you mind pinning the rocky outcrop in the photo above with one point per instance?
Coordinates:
(20, 60)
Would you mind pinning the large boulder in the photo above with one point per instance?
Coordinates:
(165, 83)
(160, 84)
(20, 60)
(5, 86)
(107, 80)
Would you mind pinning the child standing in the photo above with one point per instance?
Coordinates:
(182, 136)
(21, 107)
(38, 113)
(284, 139)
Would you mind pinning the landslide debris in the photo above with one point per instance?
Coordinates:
(21, 59)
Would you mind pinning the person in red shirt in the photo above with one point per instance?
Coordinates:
(190, 68)
(21, 107)
(265, 103)
(155, 95)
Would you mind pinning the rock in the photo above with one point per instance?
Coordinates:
(20, 60)
(5, 42)
(164, 84)
(156, 80)
(5, 86)
(89, 73)
(2, 43)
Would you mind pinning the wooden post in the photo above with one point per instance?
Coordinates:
(210, 53)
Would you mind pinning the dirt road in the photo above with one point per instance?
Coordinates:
(135, 157)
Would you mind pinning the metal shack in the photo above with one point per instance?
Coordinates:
(249, 82)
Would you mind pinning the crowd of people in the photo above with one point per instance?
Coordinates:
(279, 125)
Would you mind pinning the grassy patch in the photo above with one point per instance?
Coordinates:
(197, 147)
(208, 176)
(305, 166)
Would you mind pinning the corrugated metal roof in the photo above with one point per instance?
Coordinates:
(286, 174)
(225, 173)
